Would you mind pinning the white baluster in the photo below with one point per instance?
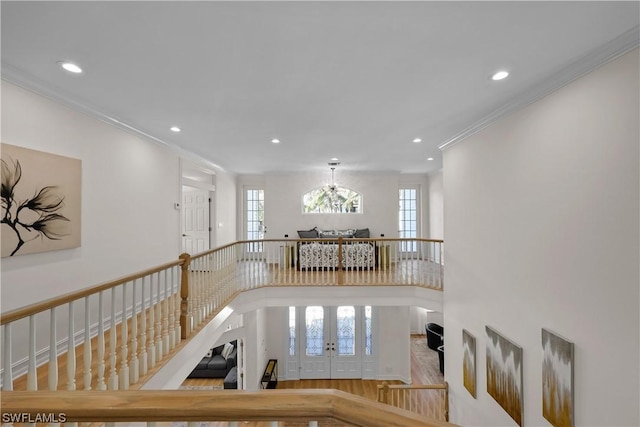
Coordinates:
(53, 352)
(177, 271)
(143, 328)
(313, 424)
(101, 365)
(113, 376)
(151, 349)
(124, 338)
(7, 372)
(171, 307)
(273, 424)
(32, 374)
(158, 325)
(134, 365)
(165, 314)
(87, 345)
(71, 351)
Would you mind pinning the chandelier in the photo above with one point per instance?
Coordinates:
(332, 189)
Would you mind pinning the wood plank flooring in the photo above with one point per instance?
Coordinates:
(424, 370)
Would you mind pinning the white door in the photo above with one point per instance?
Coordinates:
(331, 342)
(195, 220)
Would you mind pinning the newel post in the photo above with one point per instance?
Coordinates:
(385, 392)
(186, 315)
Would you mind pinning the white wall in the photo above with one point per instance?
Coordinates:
(129, 186)
(283, 204)
(436, 206)
(129, 223)
(283, 201)
(394, 344)
(542, 232)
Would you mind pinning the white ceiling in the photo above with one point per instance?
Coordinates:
(353, 80)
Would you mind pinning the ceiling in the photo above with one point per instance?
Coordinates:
(358, 81)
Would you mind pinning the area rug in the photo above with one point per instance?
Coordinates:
(201, 387)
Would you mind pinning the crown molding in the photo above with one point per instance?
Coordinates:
(617, 47)
(30, 83)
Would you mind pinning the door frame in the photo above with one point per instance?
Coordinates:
(367, 363)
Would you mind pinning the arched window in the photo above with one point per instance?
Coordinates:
(332, 199)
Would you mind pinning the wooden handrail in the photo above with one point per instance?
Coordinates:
(223, 405)
(38, 307)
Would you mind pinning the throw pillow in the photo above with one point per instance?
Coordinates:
(227, 350)
(362, 233)
(308, 234)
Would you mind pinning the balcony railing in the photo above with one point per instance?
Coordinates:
(308, 406)
(111, 336)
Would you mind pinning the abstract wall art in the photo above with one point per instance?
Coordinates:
(469, 362)
(557, 380)
(504, 374)
(40, 201)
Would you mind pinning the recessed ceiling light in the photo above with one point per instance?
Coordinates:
(417, 140)
(500, 75)
(175, 129)
(71, 67)
(275, 141)
(429, 158)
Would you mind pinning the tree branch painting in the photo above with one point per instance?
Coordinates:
(35, 190)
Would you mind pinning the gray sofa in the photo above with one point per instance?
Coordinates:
(216, 366)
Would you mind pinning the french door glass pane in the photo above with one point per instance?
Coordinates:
(314, 319)
(346, 328)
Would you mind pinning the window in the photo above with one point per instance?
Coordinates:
(408, 218)
(292, 331)
(255, 218)
(332, 200)
(368, 350)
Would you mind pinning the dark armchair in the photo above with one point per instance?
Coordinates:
(435, 336)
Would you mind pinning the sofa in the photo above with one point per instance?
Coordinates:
(323, 254)
(217, 363)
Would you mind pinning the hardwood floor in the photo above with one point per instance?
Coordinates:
(424, 370)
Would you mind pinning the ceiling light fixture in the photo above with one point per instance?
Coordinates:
(70, 67)
(429, 158)
(333, 188)
(500, 75)
(275, 141)
(417, 140)
(175, 129)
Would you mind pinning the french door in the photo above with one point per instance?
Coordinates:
(331, 342)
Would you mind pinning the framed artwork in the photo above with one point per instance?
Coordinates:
(40, 201)
(469, 362)
(557, 380)
(504, 374)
